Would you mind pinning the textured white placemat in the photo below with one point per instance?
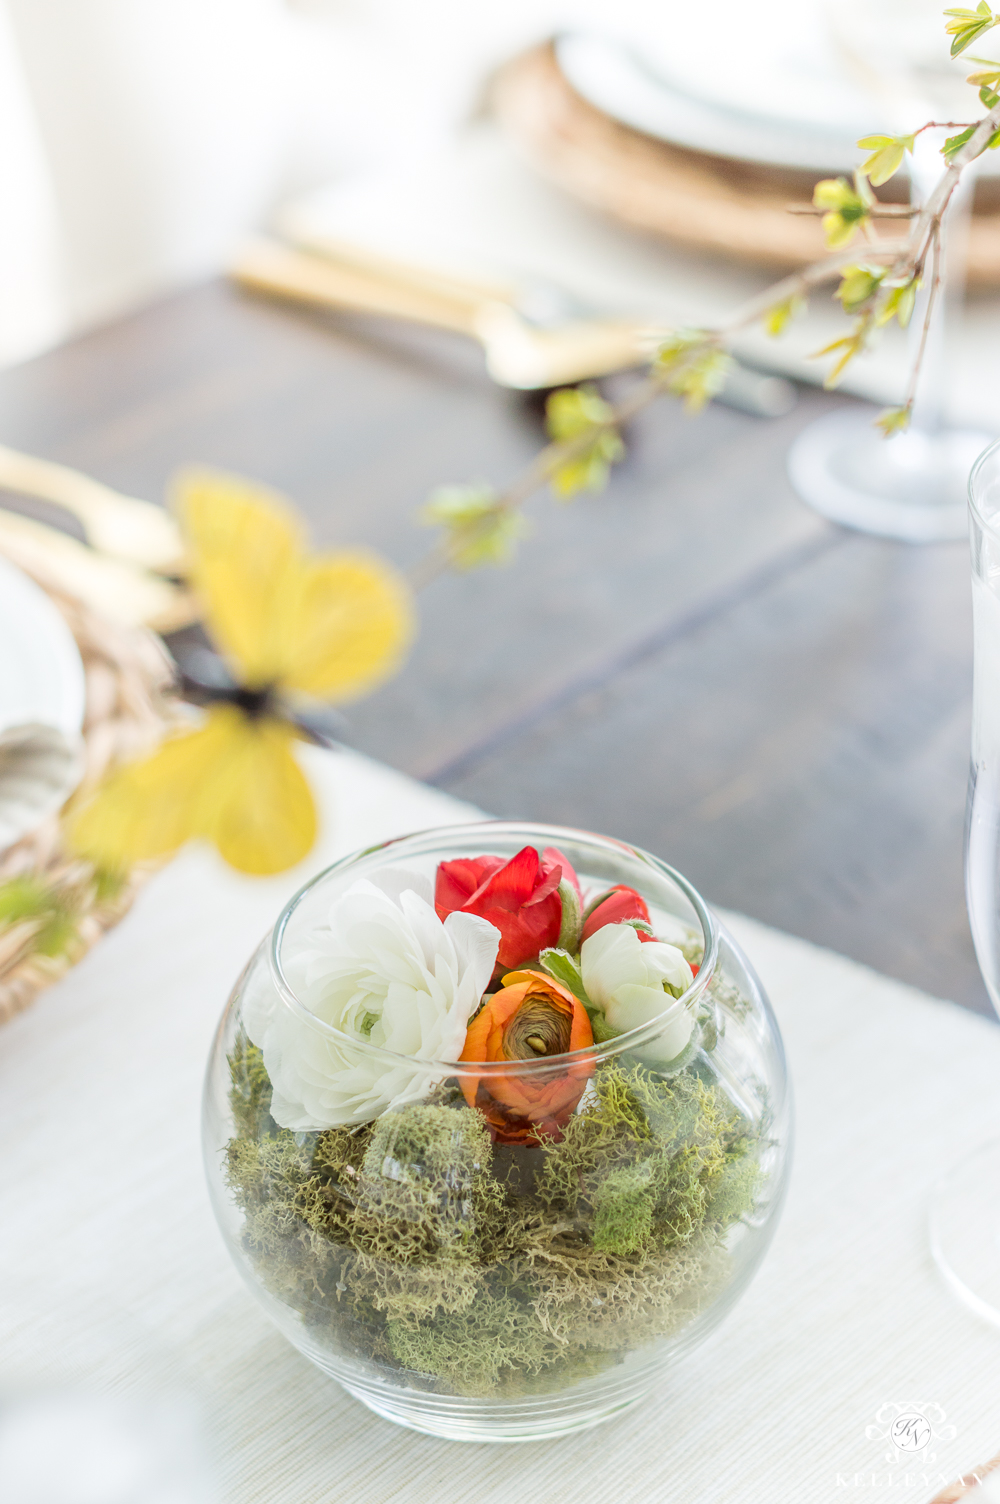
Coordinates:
(101, 1189)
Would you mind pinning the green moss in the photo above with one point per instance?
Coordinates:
(250, 1091)
(624, 1204)
(412, 1242)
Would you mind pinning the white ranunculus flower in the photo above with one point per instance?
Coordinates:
(384, 969)
(624, 976)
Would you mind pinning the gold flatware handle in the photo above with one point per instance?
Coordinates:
(110, 586)
(122, 527)
(451, 286)
(517, 354)
(268, 266)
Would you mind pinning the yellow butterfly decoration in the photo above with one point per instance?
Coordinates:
(293, 629)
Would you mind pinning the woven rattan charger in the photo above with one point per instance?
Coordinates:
(689, 198)
(128, 672)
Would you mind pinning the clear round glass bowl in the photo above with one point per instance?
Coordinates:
(506, 1291)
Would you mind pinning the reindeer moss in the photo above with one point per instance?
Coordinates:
(414, 1243)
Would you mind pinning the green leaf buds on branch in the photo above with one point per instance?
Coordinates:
(897, 303)
(887, 153)
(479, 527)
(847, 208)
(859, 286)
(954, 144)
(849, 346)
(894, 420)
(987, 81)
(781, 314)
(863, 291)
(692, 364)
(482, 526)
(868, 288)
(966, 25)
(579, 418)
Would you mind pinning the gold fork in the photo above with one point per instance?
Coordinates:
(518, 354)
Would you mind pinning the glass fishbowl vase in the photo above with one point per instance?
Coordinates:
(494, 1247)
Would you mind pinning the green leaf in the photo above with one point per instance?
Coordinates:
(571, 924)
(887, 154)
(955, 143)
(966, 25)
(480, 529)
(780, 314)
(602, 1029)
(847, 206)
(572, 415)
(987, 82)
(848, 347)
(858, 286)
(894, 420)
(897, 304)
(562, 966)
(691, 364)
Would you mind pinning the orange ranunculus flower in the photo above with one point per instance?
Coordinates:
(531, 1017)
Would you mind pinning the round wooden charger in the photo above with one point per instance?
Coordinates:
(690, 198)
(128, 673)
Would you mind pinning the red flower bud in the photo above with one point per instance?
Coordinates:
(618, 905)
(520, 898)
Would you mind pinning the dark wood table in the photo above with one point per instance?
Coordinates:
(691, 660)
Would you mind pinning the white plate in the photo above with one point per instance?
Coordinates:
(773, 83)
(615, 78)
(42, 690)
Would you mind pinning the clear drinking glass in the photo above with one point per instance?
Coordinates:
(913, 485)
(522, 1247)
(965, 1220)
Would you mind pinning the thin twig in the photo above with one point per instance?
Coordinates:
(906, 261)
(798, 283)
(877, 211)
(944, 125)
(932, 297)
(440, 557)
(561, 452)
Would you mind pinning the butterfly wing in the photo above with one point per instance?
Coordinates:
(259, 810)
(350, 625)
(246, 560)
(144, 810)
(331, 626)
(231, 780)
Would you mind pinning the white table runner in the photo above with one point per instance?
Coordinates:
(101, 1189)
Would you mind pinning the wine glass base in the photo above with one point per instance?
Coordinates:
(912, 486)
(965, 1230)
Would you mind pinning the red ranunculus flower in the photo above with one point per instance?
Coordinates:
(520, 898)
(618, 904)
